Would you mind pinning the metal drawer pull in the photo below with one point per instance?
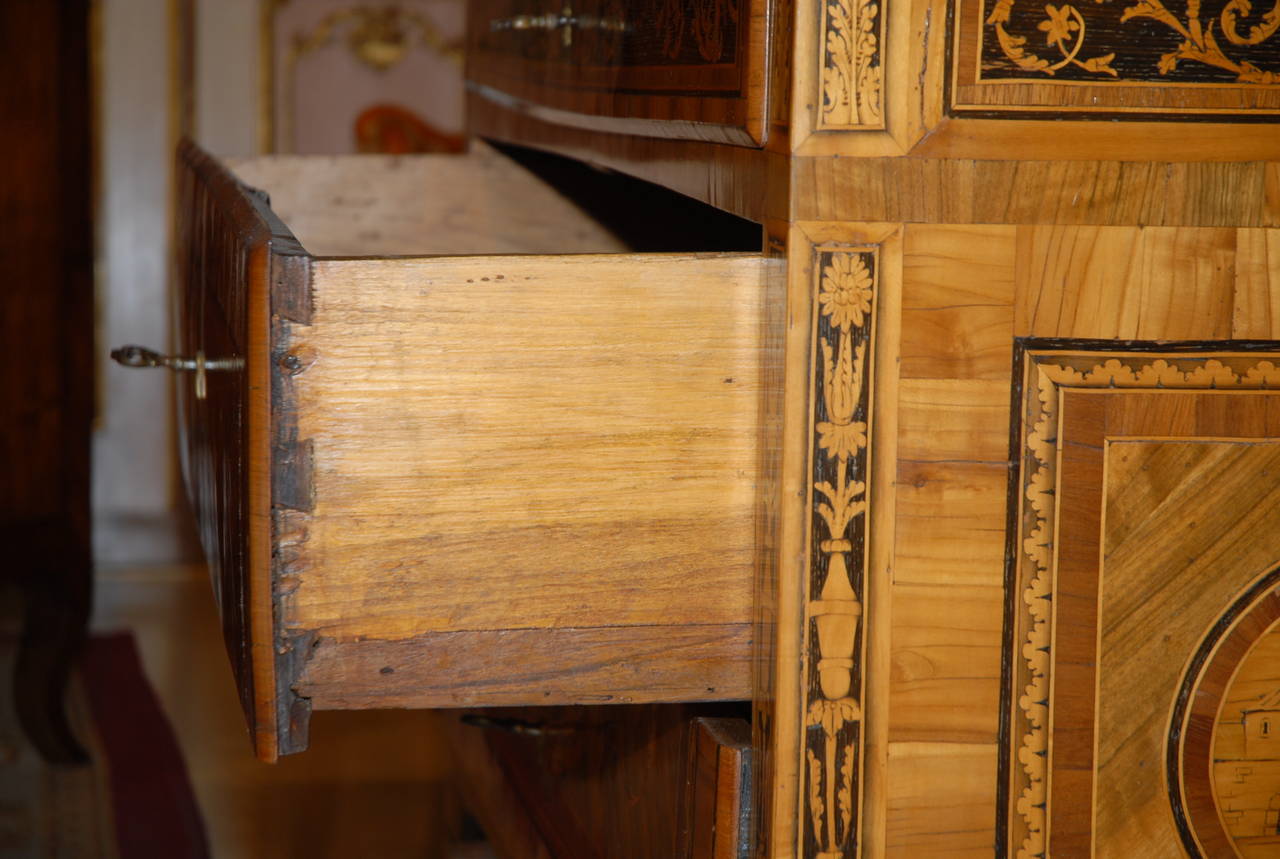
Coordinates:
(565, 21)
(140, 356)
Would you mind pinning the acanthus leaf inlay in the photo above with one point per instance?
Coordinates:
(850, 76)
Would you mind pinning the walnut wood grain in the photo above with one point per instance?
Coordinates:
(491, 797)
(1199, 567)
(241, 279)
(1092, 188)
(716, 810)
(647, 67)
(1126, 558)
(1076, 609)
(502, 668)
(46, 355)
(603, 781)
(748, 182)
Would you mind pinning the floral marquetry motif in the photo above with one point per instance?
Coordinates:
(1138, 59)
(1144, 40)
(834, 584)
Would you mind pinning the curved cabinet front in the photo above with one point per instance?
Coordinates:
(655, 68)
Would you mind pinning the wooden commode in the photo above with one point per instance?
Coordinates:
(965, 474)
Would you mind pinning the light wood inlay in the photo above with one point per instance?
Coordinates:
(1246, 762)
(926, 821)
(951, 523)
(958, 316)
(1201, 803)
(1126, 282)
(645, 365)
(1257, 304)
(826, 742)
(1169, 558)
(850, 66)
(1118, 557)
(834, 655)
(939, 691)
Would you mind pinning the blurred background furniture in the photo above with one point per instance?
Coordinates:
(47, 363)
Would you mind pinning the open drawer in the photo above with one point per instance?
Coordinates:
(502, 478)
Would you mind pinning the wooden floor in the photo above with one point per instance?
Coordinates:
(373, 783)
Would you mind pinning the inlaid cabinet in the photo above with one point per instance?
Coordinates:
(962, 474)
(1013, 563)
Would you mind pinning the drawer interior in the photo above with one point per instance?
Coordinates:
(482, 202)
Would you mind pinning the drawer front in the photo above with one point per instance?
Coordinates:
(690, 69)
(228, 247)
(618, 782)
(470, 481)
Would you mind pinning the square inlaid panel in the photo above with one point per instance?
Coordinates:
(1131, 58)
(1150, 501)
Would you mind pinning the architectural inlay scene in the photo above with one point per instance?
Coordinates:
(1246, 759)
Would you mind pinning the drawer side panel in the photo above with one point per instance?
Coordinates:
(541, 445)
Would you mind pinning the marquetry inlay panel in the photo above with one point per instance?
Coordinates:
(832, 676)
(1223, 751)
(1109, 443)
(850, 73)
(1137, 57)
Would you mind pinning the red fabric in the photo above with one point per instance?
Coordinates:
(155, 810)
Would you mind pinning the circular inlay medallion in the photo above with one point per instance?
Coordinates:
(1223, 753)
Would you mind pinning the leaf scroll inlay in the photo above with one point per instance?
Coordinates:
(1217, 43)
